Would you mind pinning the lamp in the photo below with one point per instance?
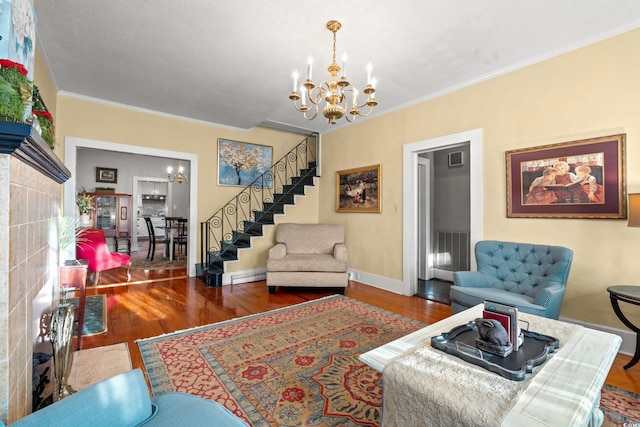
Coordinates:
(334, 91)
(634, 210)
(180, 176)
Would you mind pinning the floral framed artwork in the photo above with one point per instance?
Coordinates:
(106, 175)
(359, 189)
(577, 179)
(240, 163)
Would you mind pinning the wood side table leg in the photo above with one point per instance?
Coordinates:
(81, 301)
(623, 319)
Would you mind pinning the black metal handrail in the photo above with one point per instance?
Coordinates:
(227, 224)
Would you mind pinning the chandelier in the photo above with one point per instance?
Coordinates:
(180, 176)
(334, 91)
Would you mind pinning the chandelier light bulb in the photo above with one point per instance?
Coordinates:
(335, 90)
(169, 169)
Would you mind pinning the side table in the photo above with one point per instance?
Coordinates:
(629, 294)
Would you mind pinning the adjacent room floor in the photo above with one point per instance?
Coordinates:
(434, 290)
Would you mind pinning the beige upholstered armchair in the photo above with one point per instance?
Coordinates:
(311, 255)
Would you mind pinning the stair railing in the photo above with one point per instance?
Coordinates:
(228, 223)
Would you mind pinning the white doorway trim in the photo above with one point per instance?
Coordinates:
(410, 198)
(71, 145)
(425, 208)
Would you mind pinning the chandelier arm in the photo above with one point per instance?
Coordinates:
(317, 98)
(367, 113)
(315, 114)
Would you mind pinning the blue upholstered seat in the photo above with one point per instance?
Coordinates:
(530, 277)
(123, 400)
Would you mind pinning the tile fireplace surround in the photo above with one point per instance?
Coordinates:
(30, 204)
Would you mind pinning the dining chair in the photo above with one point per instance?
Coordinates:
(181, 239)
(153, 240)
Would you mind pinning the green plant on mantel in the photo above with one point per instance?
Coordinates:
(44, 118)
(15, 91)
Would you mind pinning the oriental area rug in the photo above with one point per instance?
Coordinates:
(620, 407)
(295, 366)
(95, 315)
(298, 366)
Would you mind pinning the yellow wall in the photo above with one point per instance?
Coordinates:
(594, 91)
(590, 92)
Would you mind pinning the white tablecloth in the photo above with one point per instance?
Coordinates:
(428, 387)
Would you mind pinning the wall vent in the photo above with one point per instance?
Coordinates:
(455, 158)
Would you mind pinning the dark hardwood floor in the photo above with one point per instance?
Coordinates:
(160, 302)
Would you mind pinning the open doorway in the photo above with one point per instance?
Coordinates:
(72, 144)
(443, 219)
(412, 226)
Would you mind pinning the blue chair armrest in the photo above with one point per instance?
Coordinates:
(551, 298)
(122, 400)
(180, 409)
(472, 279)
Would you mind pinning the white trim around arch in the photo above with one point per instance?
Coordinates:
(71, 144)
(410, 198)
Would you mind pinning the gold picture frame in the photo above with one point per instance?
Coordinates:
(577, 179)
(359, 189)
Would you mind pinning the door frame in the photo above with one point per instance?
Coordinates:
(410, 198)
(71, 145)
(425, 213)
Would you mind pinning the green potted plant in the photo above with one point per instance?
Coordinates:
(70, 235)
(15, 91)
(44, 118)
(85, 205)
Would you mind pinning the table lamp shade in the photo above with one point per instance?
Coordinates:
(634, 210)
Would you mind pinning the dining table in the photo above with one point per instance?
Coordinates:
(171, 231)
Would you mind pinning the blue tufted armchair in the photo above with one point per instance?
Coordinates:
(530, 277)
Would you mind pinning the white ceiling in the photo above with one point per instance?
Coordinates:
(229, 62)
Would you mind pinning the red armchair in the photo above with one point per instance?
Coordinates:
(94, 248)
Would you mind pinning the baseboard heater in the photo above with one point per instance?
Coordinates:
(248, 277)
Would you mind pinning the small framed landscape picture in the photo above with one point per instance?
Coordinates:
(240, 163)
(358, 190)
(106, 175)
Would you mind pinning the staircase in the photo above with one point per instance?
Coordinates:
(233, 225)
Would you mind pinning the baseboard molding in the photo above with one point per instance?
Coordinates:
(376, 281)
